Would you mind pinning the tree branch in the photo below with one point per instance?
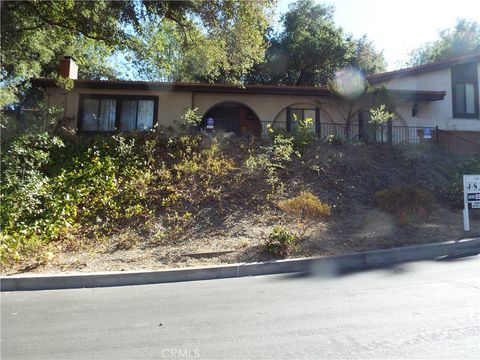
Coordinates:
(50, 22)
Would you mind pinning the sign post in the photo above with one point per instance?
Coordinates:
(471, 195)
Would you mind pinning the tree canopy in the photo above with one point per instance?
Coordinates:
(311, 48)
(175, 40)
(463, 39)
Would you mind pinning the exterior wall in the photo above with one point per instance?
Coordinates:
(434, 113)
(272, 108)
(172, 105)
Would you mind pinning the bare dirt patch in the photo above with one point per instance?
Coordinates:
(241, 238)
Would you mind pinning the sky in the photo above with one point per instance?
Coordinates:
(397, 27)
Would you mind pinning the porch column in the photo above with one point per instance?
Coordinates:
(289, 119)
(317, 122)
(361, 134)
(389, 132)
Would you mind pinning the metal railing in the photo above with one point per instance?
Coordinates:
(367, 133)
(323, 130)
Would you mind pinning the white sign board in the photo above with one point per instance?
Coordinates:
(471, 195)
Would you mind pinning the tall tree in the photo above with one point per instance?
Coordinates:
(463, 39)
(35, 34)
(311, 48)
(224, 51)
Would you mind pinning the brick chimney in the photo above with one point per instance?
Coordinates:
(68, 69)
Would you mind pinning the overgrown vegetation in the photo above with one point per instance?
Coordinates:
(404, 201)
(305, 209)
(93, 187)
(281, 242)
(120, 192)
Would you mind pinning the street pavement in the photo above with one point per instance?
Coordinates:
(426, 310)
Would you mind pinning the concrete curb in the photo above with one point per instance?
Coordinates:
(361, 260)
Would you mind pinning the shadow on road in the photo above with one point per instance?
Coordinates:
(328, 271)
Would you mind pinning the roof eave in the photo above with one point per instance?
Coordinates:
(387, 76)
(418, 95)
(205, 88)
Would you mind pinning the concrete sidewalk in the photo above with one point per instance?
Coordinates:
(331, 264)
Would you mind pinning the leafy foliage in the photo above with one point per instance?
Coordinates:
(173, 40)
(463, 39)
(36, 34)
(311, 48)
(303, 134)
(208, 41)
(332, 139)
(49, 188)
(271, 159)
(281, 242)
(306, 206)
(380, 115)
(404, 200)
(92, 187)
(190, 120)
(453, 189)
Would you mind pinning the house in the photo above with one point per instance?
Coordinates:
(458, 78)
(443, 95)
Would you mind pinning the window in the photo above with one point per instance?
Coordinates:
(104, 113)
(465, 91)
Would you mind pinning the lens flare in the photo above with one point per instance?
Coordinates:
(349, 83)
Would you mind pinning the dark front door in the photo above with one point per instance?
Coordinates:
(249, 123)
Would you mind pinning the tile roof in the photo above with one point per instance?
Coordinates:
(378, 78)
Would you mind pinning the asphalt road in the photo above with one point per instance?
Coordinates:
(420, 310)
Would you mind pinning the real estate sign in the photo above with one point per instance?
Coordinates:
(471, 197)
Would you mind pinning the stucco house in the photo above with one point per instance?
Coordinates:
(443, 95)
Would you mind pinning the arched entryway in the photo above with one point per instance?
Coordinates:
(233, 117)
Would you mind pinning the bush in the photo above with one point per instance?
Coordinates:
(281, 242)
(50, 190)
(303, 134)
(306, 206)
(306, 209)
(453, 190)
(190, 121)
(271, 159)
(403, 201)
(25, 188)
(334, 140)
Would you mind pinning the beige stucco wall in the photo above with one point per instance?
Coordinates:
(172, 105)
(270, 107)
(434, 113)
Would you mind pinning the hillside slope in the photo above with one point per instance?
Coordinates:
(132, 202)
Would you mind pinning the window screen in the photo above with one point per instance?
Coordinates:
(90, 114)
(100, 114)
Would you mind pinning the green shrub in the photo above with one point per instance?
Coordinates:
(333, 139)
(189, 121)
(404, 200)
(453, 189)
(281, 242)
(50, 190)
(303, 134)
(271, 159)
